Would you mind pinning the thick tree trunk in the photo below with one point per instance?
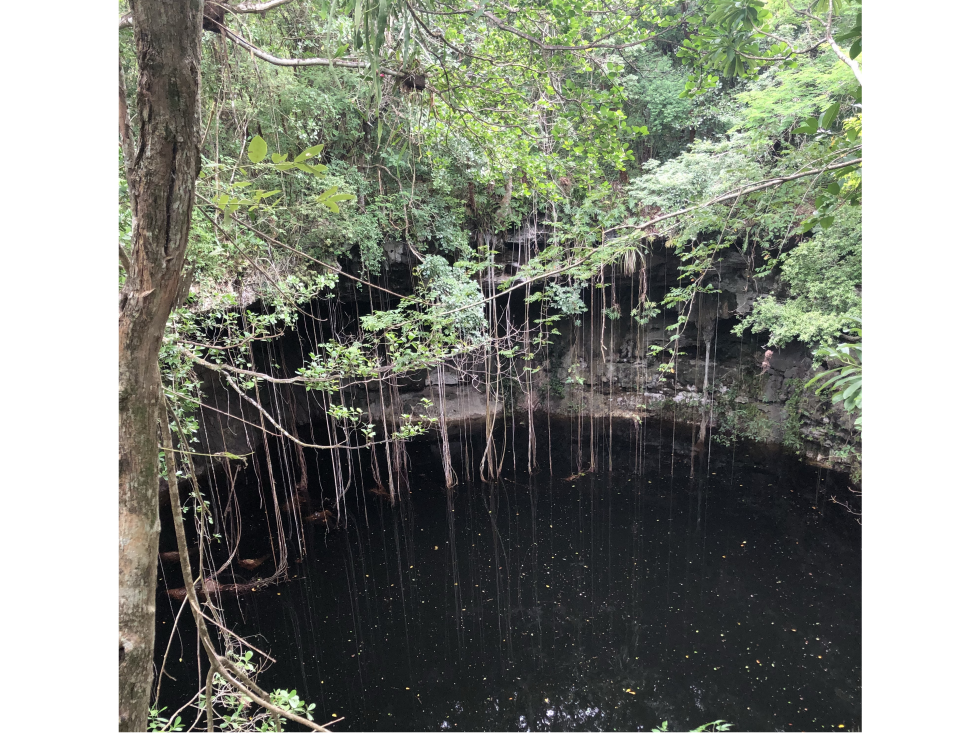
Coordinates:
(162, 178)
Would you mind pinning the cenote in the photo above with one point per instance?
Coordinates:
(665, 585)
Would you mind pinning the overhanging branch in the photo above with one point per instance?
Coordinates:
(845, 58)
(737, 193)
(314, 61)
(126, 21)
(556, 47)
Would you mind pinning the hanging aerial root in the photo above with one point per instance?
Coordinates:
(219, 664)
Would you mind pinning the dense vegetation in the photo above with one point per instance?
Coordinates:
(332, 134)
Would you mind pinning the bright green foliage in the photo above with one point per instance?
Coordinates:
(820, 279)
(158, 722)
(664, 120)
(236, 712)
(846, 378)
(739, 38)
(708, 169)
(784, 97)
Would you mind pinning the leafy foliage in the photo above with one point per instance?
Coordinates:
(821, 277)
(846, 379)
(235, 712)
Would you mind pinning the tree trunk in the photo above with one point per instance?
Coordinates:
(161, 179)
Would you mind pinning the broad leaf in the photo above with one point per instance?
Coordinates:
(257, 149)
(829, 115)
(308, 153)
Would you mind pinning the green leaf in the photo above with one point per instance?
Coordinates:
(257, 149)
(833, 188)
(344, 197)
(829, 383)
(808, 127)
(333, 207)
(856, 48)
(278, 157)
(829, 114)
(826, 222)
(308, 153)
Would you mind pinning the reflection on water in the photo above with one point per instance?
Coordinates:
(611, 600)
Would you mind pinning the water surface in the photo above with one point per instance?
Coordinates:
(611, 600)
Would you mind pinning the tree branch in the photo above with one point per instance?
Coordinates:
(313, 61)
(272, 241)
(792, 51)
(761, 186)
(845, 58)
(255, 7)
(126, 21)
(550, 47)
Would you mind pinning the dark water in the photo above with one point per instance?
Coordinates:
(609, 601)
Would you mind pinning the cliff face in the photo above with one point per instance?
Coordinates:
(720, 379)
(594, 366)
